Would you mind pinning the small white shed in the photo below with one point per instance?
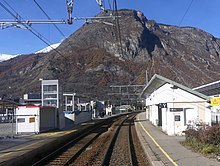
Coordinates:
(108, 110)
(173, 106)
(35, 119)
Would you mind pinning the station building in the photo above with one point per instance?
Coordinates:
(173, 106)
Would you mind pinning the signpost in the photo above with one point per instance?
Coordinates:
(215, 101)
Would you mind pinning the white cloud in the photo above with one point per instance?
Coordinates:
(48, 49)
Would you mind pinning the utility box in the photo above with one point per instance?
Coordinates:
(35, 119)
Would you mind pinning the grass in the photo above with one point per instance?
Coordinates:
(208, 150)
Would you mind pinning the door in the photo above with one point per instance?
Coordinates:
(159, 116)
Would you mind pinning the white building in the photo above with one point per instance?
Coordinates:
(35, 119)
(51, 95)
(212, 90)
(172, 106)
(50, 92)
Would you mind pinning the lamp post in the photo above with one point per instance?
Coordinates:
(73, 106)
(41, 79)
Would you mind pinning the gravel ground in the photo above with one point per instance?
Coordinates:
(94, 154)
(120, 153)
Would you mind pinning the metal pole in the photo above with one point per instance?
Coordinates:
(12, 118)
(74, 101)
(65, 103)
(30, 22)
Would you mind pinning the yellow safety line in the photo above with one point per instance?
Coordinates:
(165, 153)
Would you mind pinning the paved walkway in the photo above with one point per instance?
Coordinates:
(167, 150)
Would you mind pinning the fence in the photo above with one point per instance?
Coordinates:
(7, 125)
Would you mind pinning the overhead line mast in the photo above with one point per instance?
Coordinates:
(69, 3)
(27, 26)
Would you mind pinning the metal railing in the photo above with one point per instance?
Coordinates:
(7, 126)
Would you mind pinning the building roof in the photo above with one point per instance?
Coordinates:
(157, 81)
(8, 103)
(210, 89)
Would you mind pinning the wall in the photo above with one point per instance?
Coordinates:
(83, 116)
(48, 118)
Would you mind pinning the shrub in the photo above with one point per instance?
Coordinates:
(191, 133)
(205, 140)
(212, 135)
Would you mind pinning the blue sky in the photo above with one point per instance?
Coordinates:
(203, 14)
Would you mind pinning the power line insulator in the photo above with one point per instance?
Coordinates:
(69, 4)
(100, 3)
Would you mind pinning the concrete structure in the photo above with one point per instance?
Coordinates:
(98, 108)
(35, 119)
(50, 93)
(173, 106)
(82, 116)
(69, 107)
(69, 101)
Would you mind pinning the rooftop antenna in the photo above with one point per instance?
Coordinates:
(69, 4)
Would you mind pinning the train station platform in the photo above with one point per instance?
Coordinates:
(23, 148)
(162, 149)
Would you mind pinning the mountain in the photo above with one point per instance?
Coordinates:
(4, 57)
(99, 55)
(48, 49)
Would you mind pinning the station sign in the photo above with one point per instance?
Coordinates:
(215, 101)
(162, 105)
(176, 109)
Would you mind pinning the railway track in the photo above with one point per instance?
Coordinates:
(121, 150)
(110, 143)
(72, 149)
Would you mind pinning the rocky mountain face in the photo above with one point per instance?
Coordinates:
(101, 54)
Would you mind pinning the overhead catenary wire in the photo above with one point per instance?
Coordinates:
(118, 29)
(68, 3)
(39, 6)
(186, 12)
(32, 30)
(21, 22)
(110, 7)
